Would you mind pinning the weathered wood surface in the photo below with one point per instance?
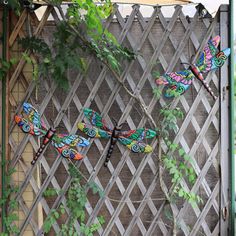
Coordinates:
(133, 203)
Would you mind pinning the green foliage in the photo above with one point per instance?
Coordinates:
(75, 202)
(34, 64)
(5, 67)
(169, 121)
(157, 92)
(173, 93)
(178, 164)
(8, 201)
(79, 35)
(156, 74)
(176, 161)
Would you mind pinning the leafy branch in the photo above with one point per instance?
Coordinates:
(8, 201)
(81, 33)
(75, 203)
(175, 161)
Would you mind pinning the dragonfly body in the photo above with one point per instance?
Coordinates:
(62, 142)
(209, 59)
(131, 139)
(197, 73)
(113, 140)
(46, 140)
(195, 70)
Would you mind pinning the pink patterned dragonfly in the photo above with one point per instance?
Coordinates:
(179, 82)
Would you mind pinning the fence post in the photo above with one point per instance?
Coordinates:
(224, 126)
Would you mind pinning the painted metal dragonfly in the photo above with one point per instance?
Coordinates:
(179, 82)
(99, 128)
(61, 142)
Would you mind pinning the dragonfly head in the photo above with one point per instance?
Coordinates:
(119, 127)
(53, 129)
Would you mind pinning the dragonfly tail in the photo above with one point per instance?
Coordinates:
(206, 85)
(38, 154)
(107, 159)
(109, 152)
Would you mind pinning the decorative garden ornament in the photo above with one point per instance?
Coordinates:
(99, 128)
(61, 142)
(179, 82)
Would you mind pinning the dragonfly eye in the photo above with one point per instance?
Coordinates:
(115, 121)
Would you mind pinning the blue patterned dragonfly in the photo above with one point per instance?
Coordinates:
(61, 142)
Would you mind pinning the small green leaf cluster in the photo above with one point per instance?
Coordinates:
(108, 50)
(8, 201)
(169, 121)
(89, 13)
(156, 74)
(52, 218)
(31, 61)
(157, 92)
(75, 203)
(5, 67)
(176, 161)
(179, 168)
(174, 93)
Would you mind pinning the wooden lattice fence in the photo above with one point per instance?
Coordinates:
(133, 203)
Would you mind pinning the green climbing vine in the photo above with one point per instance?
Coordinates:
(76, 199)
(175, 160)
(9, 201)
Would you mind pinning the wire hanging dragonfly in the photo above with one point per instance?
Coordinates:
(61, 142)
(209, 59)
(99, 128)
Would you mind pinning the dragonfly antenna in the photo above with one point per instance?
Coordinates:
(114, 120)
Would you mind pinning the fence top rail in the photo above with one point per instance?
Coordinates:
(141, 2)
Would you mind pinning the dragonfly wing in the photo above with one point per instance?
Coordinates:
(95, 119)
(139, 134)
(33, 114)
(209, 51)
(135, 146)
(93, 132)
(72, 140)
(67, 152)
(28, 127)
(217, 61)
(176, 82)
